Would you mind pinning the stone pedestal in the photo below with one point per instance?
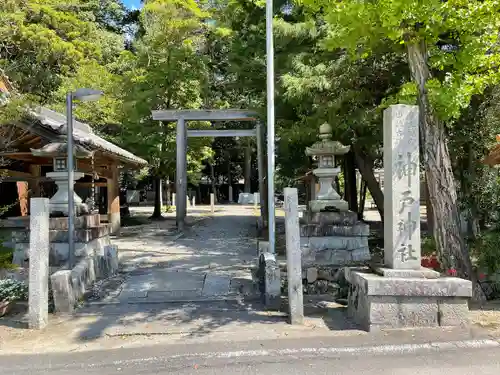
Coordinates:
(90, 237)
(377, 301)
(401, 293)
(59, 202)
(334, 239)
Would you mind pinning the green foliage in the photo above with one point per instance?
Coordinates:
(6, 256)
(487, 251)
(428, 246)
(460, 36)
(13, 290)
(167, 72)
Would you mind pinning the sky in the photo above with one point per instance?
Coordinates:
(132, 4)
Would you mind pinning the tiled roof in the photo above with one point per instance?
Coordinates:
(83, 135)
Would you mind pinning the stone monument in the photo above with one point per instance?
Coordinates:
(401, 293)
(331, 235)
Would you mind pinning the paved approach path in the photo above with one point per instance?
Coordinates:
(194, 283)
(212, 259)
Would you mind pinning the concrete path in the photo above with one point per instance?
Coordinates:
(212, 259)
(197, 282)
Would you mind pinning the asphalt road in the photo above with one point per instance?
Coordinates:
(231, 361)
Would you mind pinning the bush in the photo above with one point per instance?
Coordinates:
(487, 251)
(13, 290)
(6, 257)
(428, 246)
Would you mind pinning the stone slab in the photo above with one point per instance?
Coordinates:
(337, 258)
(160, 281)
(322, 230)
(216, 285)
(337, 218)
(58, 252)
(55, 223)
(56, 235)
(377, 302)
(319, 205)
(375, 285)
(453, 311)
(333, 243)
(423, 273)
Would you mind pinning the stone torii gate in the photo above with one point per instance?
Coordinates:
(181, 116)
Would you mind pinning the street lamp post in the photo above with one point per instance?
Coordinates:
(270, 124)
(82, 95)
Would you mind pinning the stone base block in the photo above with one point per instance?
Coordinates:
(334, 251)
(335, 258)
(319, 205)
(55, 223)
(422, 273)
(377, 302)
(59, 251)
(69, 286)
(327, 230)
(329, 218)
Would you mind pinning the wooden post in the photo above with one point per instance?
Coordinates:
(23, 194)
(262, 173)
(113, 186)
(34, 183)
(181, 174)
(293, 257)
(248, 167)
(212, 202)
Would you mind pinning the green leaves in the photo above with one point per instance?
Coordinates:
(167, 72)
(461, 37)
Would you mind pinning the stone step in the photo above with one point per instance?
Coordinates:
(324, 230)
(333, 243)
(61, 235)
(335, 258)
(337, 218)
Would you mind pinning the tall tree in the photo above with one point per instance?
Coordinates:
(168, 71)
(452, 53)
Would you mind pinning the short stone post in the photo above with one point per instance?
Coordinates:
(256, 200)
(193, 202)
(188, 201)
(293, 257)
(212, 202)
(38, 310)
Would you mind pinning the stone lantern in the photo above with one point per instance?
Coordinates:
(325, 151)
(58, 152)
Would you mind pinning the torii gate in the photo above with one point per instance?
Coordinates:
(181, 116)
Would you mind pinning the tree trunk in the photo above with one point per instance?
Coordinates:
(157, 210)
(350, 183)
(365, 165)
(439, 174)
(169, 193)
(362, 199)
(429, 210)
